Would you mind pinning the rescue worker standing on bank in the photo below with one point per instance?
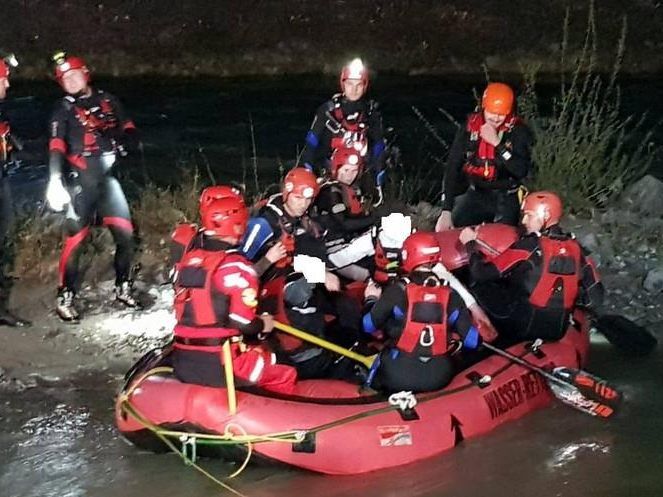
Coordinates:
(88, 131)
(530, 290)
(488, 161)
(419, 314)
(8, 145)
(348, 120)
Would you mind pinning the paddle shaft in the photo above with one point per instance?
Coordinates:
(524, 363)
(320, 342)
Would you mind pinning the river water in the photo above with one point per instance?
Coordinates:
(58, 439)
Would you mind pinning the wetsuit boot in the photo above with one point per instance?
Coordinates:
(7, 318)
(65, 305)
(124, 293)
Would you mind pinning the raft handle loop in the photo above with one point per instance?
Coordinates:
(404, 400)
(187, 440)
(427, 337)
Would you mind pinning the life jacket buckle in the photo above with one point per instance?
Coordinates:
(427, 337)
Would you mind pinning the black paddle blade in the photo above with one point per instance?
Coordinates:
(628, 337)
(585, 392)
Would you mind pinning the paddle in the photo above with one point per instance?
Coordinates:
(576, 388)
(624, 334)
(320, 342)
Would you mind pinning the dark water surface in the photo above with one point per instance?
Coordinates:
(59, 439)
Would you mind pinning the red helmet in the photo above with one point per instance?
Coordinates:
(343, 156)
(225, 217)
(300, 181)
(7, 63)
(218, 192)
(65, 63)
(355, 69)
(419, 248)
(498, 98)
(546, 205)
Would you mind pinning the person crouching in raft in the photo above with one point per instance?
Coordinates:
(342, 212)
(216, 291)
(531, 289)
(491, 154)
(420, 314)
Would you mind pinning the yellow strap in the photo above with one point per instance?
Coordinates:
(230, 377)
(307, 337)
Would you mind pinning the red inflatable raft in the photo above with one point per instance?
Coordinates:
(333, 430)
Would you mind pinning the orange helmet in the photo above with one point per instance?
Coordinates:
(355, 69)
(546, 205)
(65, 63)
(344, 156)
(301, 181)
(419, 248)
(4, 69)
(218, 192)
(498, 98)
(225, 217)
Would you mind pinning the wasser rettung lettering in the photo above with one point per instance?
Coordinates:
(513, 393)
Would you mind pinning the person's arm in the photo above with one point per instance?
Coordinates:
(129, 137)
(460, 320)
(239, 282)
(315, 138)
(592, 291)
(453, 170)
(392, 302)
(376, 142)
(515, 153)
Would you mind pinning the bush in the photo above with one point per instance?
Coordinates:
(586, 150)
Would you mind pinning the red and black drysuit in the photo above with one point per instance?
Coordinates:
(287, 295)
(216, 298)
(487, 176)
(87, 133)
(340, 123)
(530, 290)
(424, 321)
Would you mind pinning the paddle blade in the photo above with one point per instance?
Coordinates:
(628, 337)
(585, 392)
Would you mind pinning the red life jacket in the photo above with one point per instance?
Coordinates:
(480, 156)
(349, 131)
(95, 121)
(200, 309)
(560, 273)
(351, 200)
(181, 240)
(386, 262)
(427, 335)
(5, 142)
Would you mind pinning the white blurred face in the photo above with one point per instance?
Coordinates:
(296, 205)
(74, 82)
(353, 89)
(347, 173)
(4, 84)
(495, 120)
(533, 221)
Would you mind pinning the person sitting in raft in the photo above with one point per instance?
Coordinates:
(346, 217)
(531, 289)
(216, 291)
(424, 321)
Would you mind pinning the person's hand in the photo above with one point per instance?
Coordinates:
(332, 283)
(372, 290)
(57, 195)
(483, 324)
(444, 222)
(276, 252)
(489, 134)
(467, 235)
(267, 323)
